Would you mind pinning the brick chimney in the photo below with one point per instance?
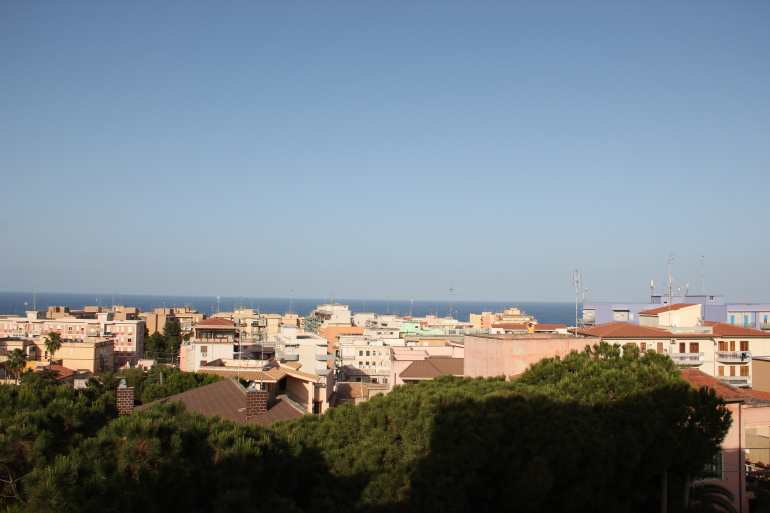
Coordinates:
(256, 402)
(125, 399)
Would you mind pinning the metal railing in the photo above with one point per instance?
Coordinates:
(734, 356)
(687, 358)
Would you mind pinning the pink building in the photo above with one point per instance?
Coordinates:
(509, 355)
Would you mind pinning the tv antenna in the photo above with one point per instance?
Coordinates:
(670, 279)
(703, 272)
(291, 302)
(576, 281)
(218, 300)
(451, 298)
(34, 299)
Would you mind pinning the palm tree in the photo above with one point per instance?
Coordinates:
(15, 362)
(710, 497)
(52, 343)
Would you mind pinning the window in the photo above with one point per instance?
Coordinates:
(367, 354)
(714, 469)
(360, 364)
(129, 340)
(360, 353)
(711, 298)
(732, 370)
(745, 370)
(694, 347)
(367, 364)
(682, 347)
(204, 362)
(643, 347)
(660, 347)
(744, 345)
(732, 345)
(721, 370)
(722, 345)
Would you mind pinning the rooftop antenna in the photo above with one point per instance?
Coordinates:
(411, 307)
(34, 299)
(113, 298)
(576, 281)
(652, 289)
(686, 289)
(291, 302)
(670, 279)
(703, 271)
(585, 295)
(218, 300)
(451, 297)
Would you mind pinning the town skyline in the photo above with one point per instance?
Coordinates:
(385, 150)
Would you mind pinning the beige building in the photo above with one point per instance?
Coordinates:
(127, 335)
(183, 315)
(95, 355)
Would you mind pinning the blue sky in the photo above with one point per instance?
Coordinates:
(385, 149)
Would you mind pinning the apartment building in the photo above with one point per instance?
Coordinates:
(212, 339)
(127, 335)
(185, 316)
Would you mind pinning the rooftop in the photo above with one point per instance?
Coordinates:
(667, 308)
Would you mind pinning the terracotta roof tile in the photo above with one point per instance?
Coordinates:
(724, 390)
(759, 394)
(523, 327)
(629, 330)
(667, 308)
(723, 329)
(214, 322)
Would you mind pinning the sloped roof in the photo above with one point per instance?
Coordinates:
(227, 399)
(629, 330)
(270, 376)
(723, 329)
(433, 367)
(538, 327)
(667, 308)
(724, 390)
(214, 322)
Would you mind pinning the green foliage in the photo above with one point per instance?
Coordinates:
(590, 432)
(52, 343)
(15, 362)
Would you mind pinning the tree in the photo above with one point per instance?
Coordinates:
(172, 332)
(16, 362)
(52, 343)
(709, 497)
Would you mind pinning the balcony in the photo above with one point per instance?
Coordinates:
(587, 320)
(687, 359)
(764, 325)
(733, 356)
(737, 381)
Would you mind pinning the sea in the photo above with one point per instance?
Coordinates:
(16, 303)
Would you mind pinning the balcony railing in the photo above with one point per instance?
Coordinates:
(693, 359)
(733, 356)
(587, 320)
(736, 380)
(764, 325)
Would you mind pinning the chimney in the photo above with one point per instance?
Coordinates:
(125, 399)
(256, 402)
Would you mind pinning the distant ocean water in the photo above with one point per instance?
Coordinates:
(13, 303)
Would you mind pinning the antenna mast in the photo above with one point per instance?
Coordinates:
(291, 301)
(670, 279)
(577, 283)
(703, 271)
(451, 297)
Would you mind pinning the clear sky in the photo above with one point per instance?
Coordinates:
(385, 149)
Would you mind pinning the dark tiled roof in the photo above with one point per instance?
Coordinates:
(433, 367)
(227, 398)
(722, 329)
(667, 308)
(724, 390)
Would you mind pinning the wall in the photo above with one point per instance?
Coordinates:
(506, 355)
